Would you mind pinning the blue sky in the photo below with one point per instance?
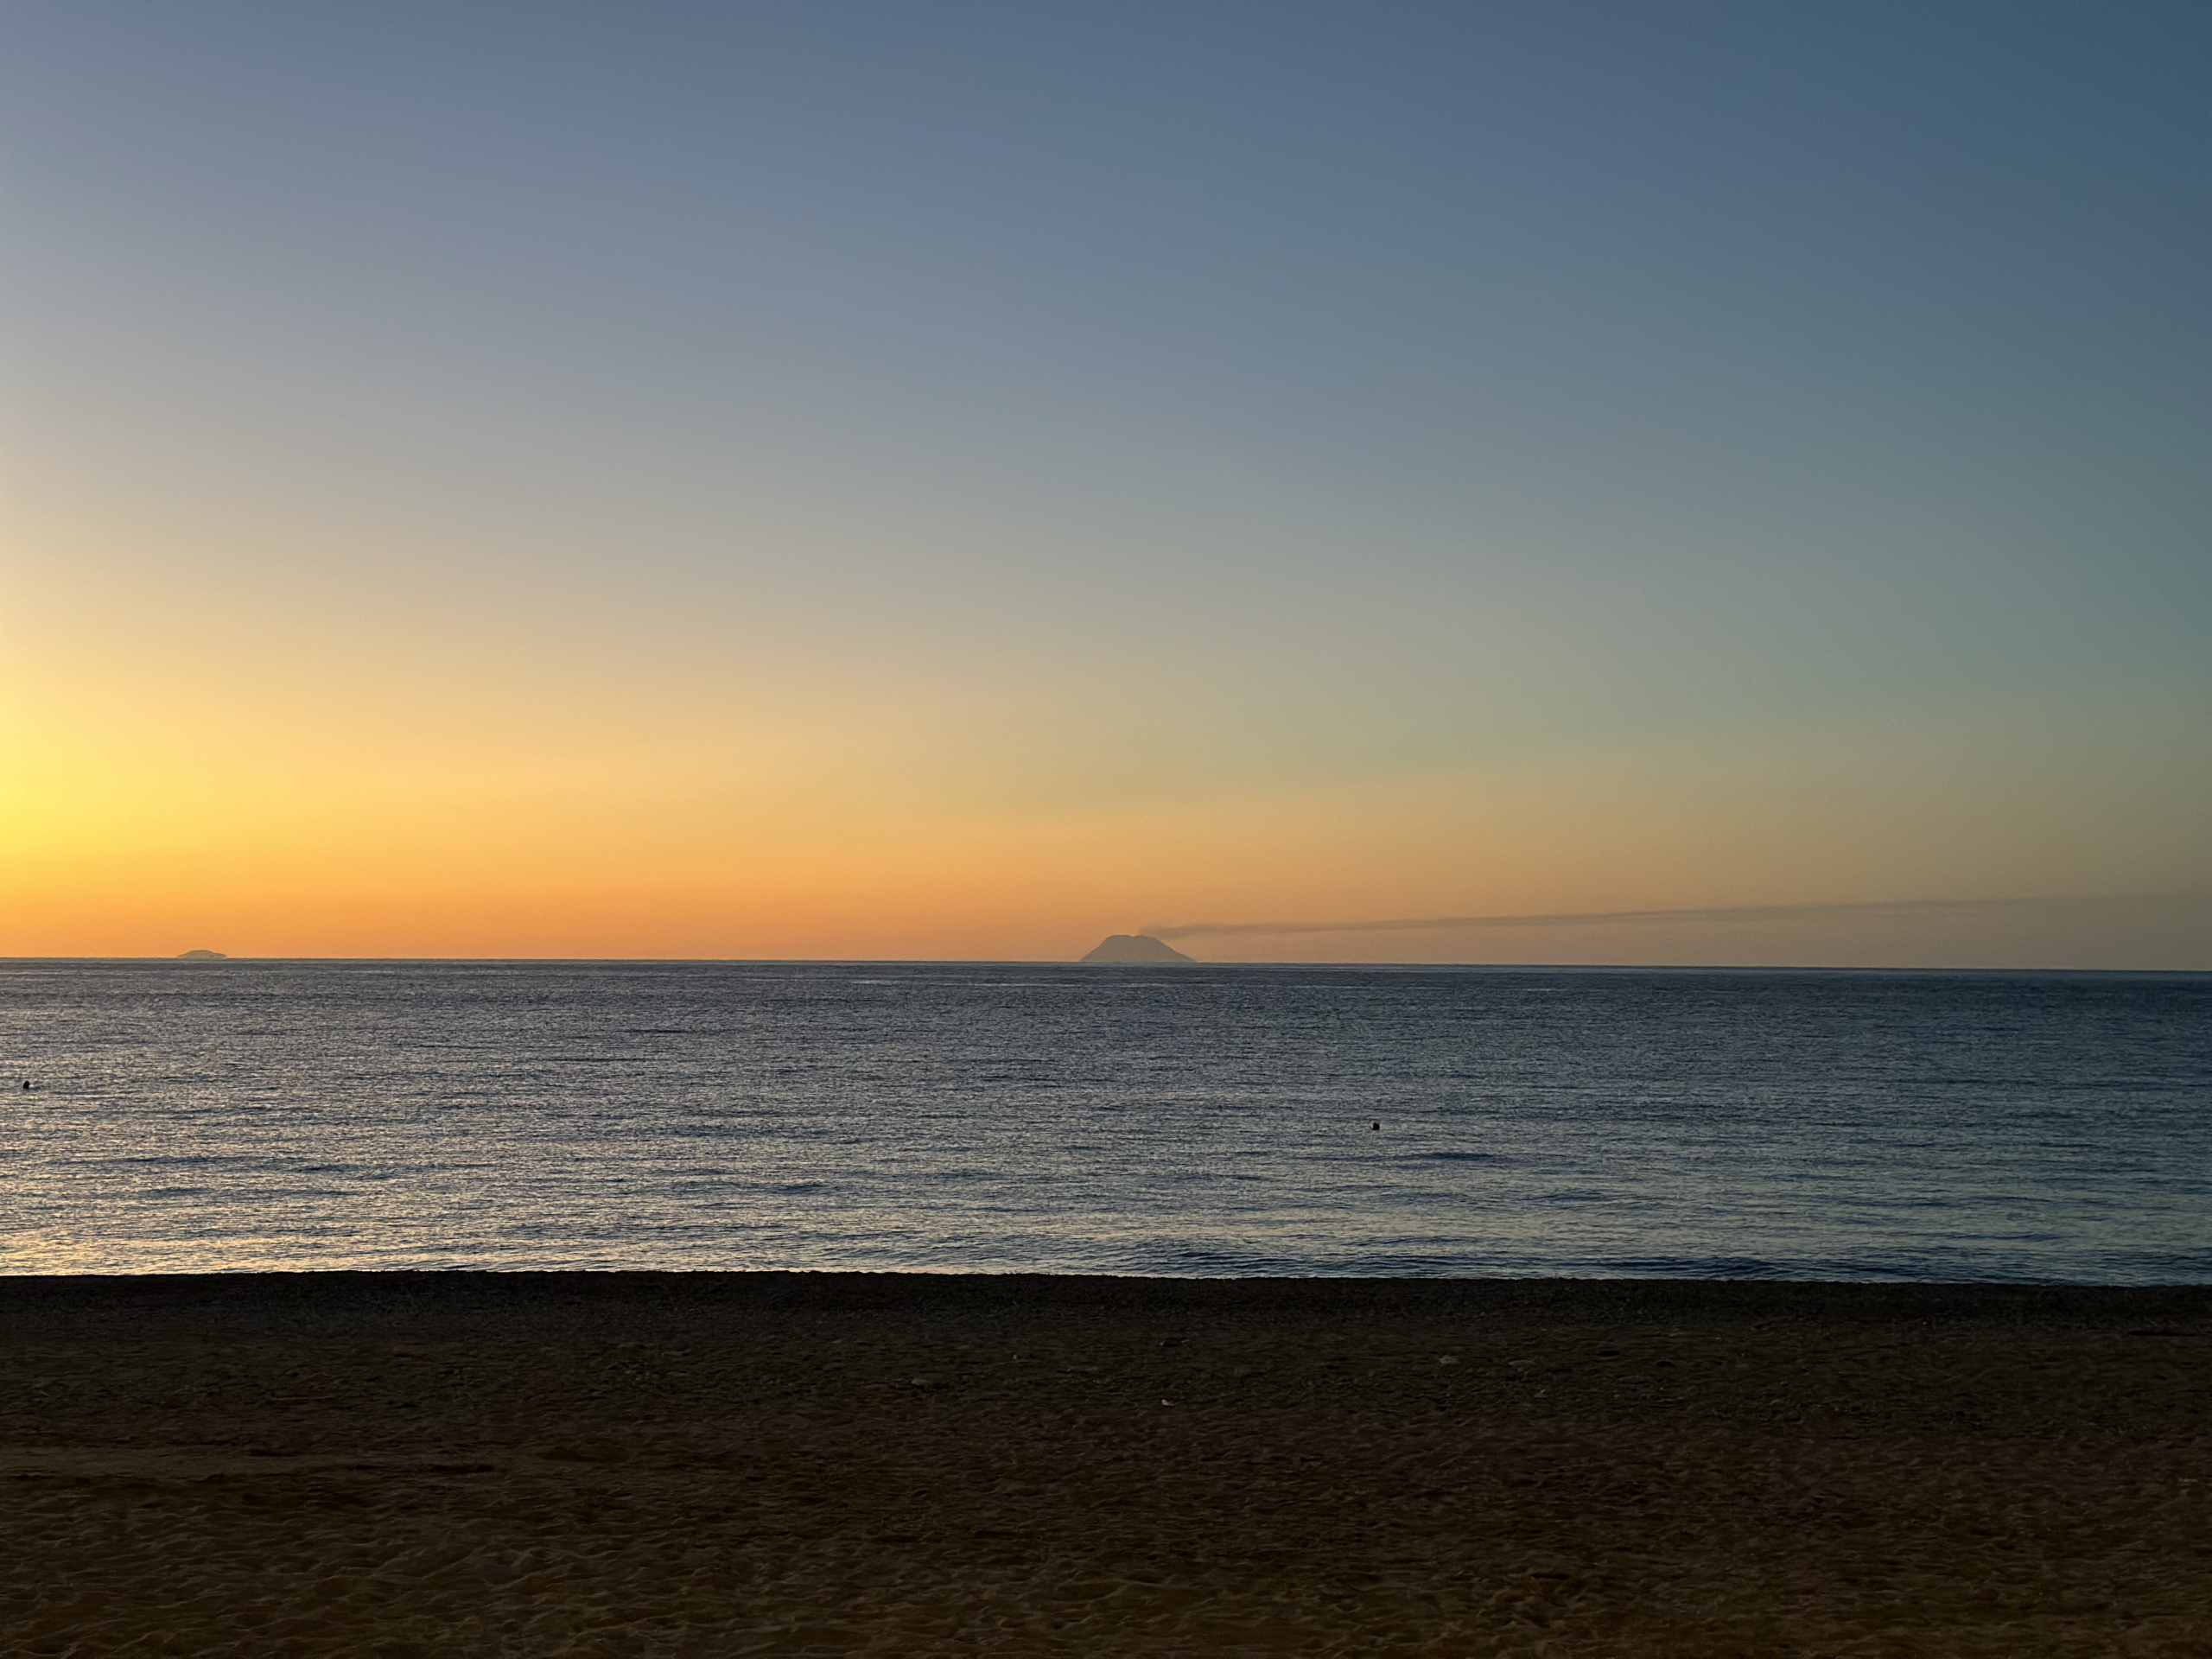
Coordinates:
(962, 427)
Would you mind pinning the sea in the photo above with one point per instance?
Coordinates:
(1203, 1120)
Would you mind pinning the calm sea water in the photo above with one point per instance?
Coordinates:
(1200, 1121)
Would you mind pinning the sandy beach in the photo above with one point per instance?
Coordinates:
(643, 1464)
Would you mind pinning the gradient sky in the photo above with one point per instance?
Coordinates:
(954, 479)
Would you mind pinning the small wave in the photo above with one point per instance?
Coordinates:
(1186, 1176)
(1689, 1266)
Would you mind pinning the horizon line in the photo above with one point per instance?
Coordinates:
(1069, 962)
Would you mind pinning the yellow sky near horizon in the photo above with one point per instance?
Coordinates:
(930, 828)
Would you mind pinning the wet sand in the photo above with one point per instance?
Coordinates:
(643, 1464)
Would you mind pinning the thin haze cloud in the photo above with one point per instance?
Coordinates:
(1716, 913)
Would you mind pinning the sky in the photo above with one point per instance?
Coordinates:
(955, 480)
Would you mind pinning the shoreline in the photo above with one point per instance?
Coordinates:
(484, 1291)
(641, 1465)
(865, 1283)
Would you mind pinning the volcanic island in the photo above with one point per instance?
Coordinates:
(1135, 948)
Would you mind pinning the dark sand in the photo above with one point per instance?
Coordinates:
(627, 1464)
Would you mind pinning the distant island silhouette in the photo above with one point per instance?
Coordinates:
(201, 955)
(1136, 947)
